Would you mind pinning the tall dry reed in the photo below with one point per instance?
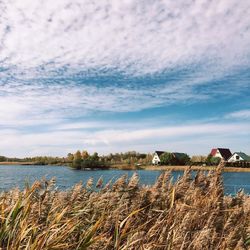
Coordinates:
(192, 213)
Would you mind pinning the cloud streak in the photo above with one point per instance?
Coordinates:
(117, 139)
(241, 114)
(135, 36)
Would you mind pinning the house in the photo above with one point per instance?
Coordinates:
(239, 156)
(178, 158)
(181, 158)
(178, 155)
(156, 157)
(223, 153)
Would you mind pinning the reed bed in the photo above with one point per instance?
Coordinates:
(192, 213)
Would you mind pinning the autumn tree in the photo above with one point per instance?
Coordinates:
(77, 160)
(85, 155)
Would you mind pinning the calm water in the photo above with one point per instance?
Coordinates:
(16, 175)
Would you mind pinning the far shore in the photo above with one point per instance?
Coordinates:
(179, 168)
(16, 163)
(205, 168)
(151, 167)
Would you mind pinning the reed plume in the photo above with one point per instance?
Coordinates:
(193, 213)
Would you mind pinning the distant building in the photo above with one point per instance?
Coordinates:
(178, 155)
(156, 157)
(239, 156)
(223, 153)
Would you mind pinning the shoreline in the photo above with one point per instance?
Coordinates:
(28, 164)
(17, 163)
(196, 168)
(148, 168)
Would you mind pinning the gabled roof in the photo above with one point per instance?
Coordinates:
(159, 153)
(213, 151)
(244, 156)
(225, 152)
(178, 155)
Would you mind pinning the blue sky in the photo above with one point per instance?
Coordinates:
(112, 76)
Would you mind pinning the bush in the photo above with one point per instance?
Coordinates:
(167, 159)
(183, 159)
(2, 158)
(84, 160)
(172, 159)
(214, 161)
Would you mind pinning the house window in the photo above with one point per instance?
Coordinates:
(237, 157)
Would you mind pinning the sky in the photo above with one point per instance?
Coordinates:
(113, 76)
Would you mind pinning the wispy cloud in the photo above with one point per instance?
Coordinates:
(62, 60)
(135, 36)
(61, 142)
(48, 50)
(241, 114)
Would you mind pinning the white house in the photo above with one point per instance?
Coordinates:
(224, 153)
(239, 156)
(156, 157)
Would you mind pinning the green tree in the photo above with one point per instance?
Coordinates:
(212, 160)
(183, 159)
(167, 158)
(70, 157)
(3, 158)
(215, 161)
(95, 157)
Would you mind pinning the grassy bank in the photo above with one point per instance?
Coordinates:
(190, 214)
(31, 163)
(151, 167)
(198, 168)
(16, 163)
(177, 168)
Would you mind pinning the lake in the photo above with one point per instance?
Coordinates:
(16, 175)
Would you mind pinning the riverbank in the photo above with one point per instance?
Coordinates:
(178, 168)
(150, 167)
(17, 163)
(197, 168)
(30, 163)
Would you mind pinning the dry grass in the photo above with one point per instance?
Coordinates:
(190, 214)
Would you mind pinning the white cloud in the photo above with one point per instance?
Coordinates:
(121, 139)
(23, 103)
(241, 114)
(135, 36)
(45, 44)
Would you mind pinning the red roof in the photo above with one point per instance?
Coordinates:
(225, 152)
(213, 151)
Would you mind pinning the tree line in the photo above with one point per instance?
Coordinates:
(82, 159)
(173, 159)
(184, 159)
(38, 160)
